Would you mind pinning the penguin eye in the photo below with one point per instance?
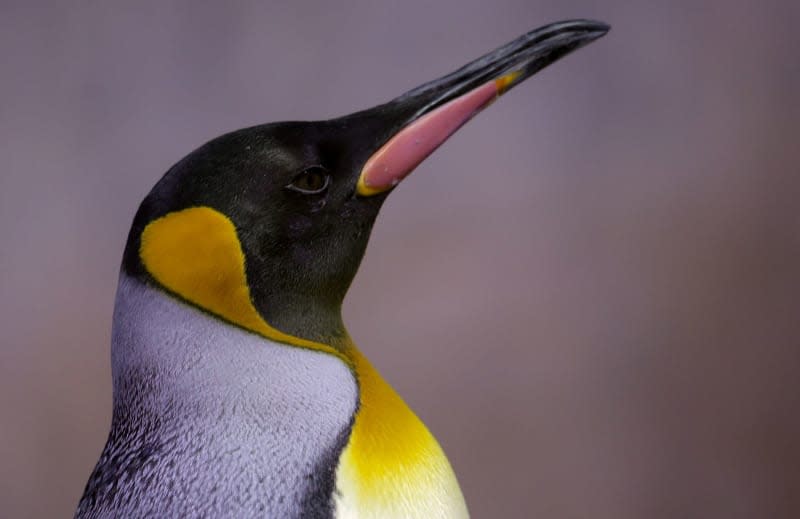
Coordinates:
(311, 181)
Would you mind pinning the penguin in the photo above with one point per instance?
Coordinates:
(237, 391)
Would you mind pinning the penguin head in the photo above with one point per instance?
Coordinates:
(266, 226)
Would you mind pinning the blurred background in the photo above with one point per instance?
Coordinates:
(590, 294)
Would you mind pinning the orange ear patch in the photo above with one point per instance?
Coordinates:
(196, 254)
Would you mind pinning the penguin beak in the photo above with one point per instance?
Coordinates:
(426, 116)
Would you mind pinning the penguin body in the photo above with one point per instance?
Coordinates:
(237, 390)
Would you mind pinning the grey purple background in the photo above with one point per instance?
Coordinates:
(590, 294)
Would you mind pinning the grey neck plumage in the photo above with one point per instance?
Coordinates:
(213, 420)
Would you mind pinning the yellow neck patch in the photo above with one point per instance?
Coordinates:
(392, 466)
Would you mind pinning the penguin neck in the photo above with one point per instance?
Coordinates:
(310, 318)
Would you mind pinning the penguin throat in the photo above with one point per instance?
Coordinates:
(305, 316)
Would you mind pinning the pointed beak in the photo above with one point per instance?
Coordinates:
(423, 118)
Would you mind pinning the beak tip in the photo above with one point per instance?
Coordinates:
(601, 27)
(584, 30)
(590, 26)
(598, 30)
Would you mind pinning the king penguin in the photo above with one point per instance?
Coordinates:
(237, 389)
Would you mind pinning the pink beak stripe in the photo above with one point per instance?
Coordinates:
(411, 145)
